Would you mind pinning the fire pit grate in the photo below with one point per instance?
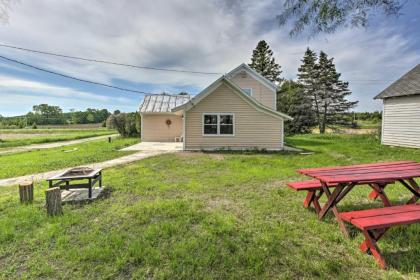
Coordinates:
(77, 171)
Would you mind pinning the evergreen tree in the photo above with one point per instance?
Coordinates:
(308, 80)
(332, 106)
(292, 100)
(322, 84)
(263, 62)
(327, 15)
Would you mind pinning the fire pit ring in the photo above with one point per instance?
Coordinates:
(66, 180)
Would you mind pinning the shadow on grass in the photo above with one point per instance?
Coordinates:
(404, 261)
(308, 142)
(259, 152)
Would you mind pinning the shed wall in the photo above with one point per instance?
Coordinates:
(401, 123)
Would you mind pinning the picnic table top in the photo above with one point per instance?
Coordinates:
(363, 173)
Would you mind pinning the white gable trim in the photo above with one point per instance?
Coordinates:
(236, 89)
(254, 74)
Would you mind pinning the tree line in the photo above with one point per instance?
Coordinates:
(45, 114)
(317, 98)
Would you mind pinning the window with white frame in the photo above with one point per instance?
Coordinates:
(248, 91)
(218, 124)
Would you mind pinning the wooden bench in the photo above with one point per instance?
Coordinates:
(314, 189)
(375, 222)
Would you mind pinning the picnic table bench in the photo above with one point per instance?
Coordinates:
(344, 178)
(375, 222)
(314, 189)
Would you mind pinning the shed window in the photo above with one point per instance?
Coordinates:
(248, 91)
(218, 124)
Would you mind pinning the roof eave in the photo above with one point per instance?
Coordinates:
(254, 73)
(256, 103)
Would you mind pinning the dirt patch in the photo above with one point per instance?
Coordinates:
(217, 156)
(200, 154)
(360, 131)
(189, 154)
(225, 205)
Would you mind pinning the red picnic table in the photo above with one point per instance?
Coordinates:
(377, 175)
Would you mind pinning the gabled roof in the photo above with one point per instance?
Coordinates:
(409, 84)
(162, 103)
(253, 73)
(224, 80)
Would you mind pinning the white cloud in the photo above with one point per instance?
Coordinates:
(25, 93)
(30, 87)
(198, 35)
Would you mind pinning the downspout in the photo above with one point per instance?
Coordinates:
(183, 129)
(141, 127)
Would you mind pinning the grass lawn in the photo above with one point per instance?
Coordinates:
(22, 137)
(211, 216)
(37, 161)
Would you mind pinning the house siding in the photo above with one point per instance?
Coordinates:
(401, 121)
(253, 129)
(260, 92)
(155, 128)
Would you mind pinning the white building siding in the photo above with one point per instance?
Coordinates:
(401, 121)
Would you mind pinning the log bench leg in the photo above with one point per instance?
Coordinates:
(370, 245)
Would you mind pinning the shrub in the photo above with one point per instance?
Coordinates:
(127, 124)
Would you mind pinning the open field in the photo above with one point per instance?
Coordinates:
(211, 216)
(369, 123)
(21, 137)
(37, 161)
(72, 126)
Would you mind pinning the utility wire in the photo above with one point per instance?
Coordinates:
(137, 66)
(110, 62)
(74, 78)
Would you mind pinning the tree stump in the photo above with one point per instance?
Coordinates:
(26, 192)
(53, 202)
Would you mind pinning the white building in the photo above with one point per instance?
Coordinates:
(401, 112)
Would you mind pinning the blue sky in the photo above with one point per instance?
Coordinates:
(203, 35)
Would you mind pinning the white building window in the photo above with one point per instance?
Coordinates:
(222, 124)
(248, 91)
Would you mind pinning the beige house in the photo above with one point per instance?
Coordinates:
(237, 111)
(401, 111)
